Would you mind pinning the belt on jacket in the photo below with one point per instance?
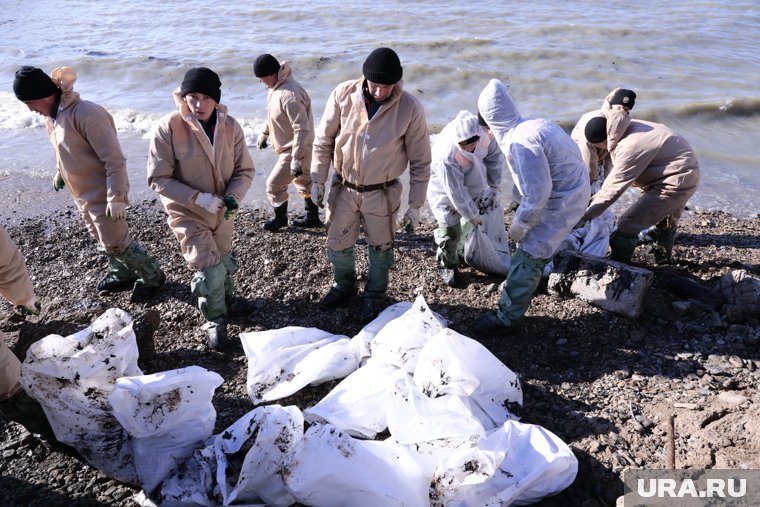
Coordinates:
(367, 188)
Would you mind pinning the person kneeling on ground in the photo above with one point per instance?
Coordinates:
(663, 165)
(466, 162)
(91, 165)
(199, 164)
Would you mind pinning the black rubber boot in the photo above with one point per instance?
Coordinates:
(310, 218)
(280, 219)
(622, 246)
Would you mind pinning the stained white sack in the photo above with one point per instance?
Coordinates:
(485, 246)
(516, 464)
(357, 405)
(169, 414)
(329, 468)
(283, 361)
(453, 364)
(72, 377)
(194, 481)
(593, 238)
(401, 339)
(364, 337)
(250, 452)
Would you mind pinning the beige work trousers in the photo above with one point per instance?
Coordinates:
(14, 278)
(280, 177)
(112, 235)
(10, 368)
(203, 246)
(349, 211)
(658, 205)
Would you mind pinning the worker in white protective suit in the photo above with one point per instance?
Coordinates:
(467, 161)
(552, 182)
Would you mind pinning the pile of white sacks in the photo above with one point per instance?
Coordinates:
(446, 402)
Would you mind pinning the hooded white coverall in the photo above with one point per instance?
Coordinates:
(553, 186)
(458, 178)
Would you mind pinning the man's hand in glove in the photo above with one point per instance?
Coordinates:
(295, 168)
(58, 182)
(209, 202)
(411, 220)
(32, 307)
(116, 210)
(517, 231)
(262, 141)
(232, 206)
(318, 194)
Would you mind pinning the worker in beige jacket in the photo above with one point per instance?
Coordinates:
(199, 164)
(92, 166)
(290, 129)
(16, 287)
(371, 131)
(615, 108)
(663, 165)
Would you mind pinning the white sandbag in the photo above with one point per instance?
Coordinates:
(486, 247)
(72, 377)
(194, 481)
(363, 338)
(169, 414)
(328, 468)
(357, 405)
(250, 452)
(427, 454)
(283, 361)
(452, 363)
(517, 464)
(414, 417)
(401, 339)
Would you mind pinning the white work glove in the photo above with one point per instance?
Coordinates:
(476, 221)
(411, 220)
(58, 182)
(262, 141)
(116, 210)
(318, 194)
(209, 202)
(31, 307)
(295, 168)
(517, 231)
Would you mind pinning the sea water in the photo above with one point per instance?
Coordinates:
(695, 66)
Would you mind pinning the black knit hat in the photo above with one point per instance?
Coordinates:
(202, 80)
(31, 83)
(265, 65)
(624, 97)
(596, 129)
(382, 66)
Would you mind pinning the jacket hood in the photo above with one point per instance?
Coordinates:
(465, 126)
(64, 78)
(286, 70)
(497, 107)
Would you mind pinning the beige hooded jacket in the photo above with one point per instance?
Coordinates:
(649, 156)
(618, 121)
(368, 152)
(86, 147)
(182, 163)
(290, 124)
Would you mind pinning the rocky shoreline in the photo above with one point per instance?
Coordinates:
(605, 384)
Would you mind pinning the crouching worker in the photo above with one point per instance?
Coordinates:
(199, 164)
(553, 186)
(91, 165)
(663, 165)
(467, 161)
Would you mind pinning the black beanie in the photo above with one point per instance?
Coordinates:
(265, 65)
(382, 66)
(624, 97)
(202, 80)
(31, 83)
(596, 129)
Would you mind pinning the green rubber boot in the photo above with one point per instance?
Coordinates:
(209, 286)
(344, 276)
(662, 247)
(622, 246)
